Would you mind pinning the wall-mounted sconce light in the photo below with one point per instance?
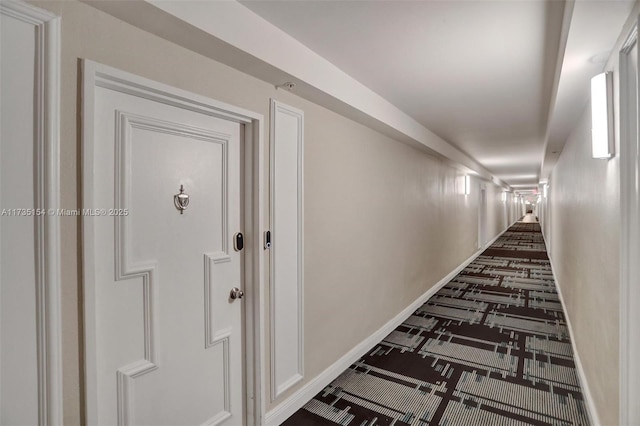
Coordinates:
(504, 196)
(467, 185)
(545, 190)
(601, 116)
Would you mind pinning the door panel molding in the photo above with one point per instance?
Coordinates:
(287, 252)
(223, 339)
(96, 76)
(46, 196)
(212, 336)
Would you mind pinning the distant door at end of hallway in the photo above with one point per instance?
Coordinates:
(482, 218)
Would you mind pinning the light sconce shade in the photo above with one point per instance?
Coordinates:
(467, 185)
(504, 196)
(601, 116)
(545, 190)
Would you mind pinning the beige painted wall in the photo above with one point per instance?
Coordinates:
(384, 222)
(498, 215)
(585, 239)
(582, 226)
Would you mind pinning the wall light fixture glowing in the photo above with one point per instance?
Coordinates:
(467, 185)
(601, 116)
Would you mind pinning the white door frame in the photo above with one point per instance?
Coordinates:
(630, 242)
(47, 196)
(98, 75)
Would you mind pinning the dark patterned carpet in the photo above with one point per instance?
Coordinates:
(490, 348)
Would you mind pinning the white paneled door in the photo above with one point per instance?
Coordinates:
(30, 363)
(162, 213)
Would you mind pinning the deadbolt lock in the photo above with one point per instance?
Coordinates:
(238, 241)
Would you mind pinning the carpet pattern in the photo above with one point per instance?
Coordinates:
(490, 348)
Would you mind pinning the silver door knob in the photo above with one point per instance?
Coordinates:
(236, 293)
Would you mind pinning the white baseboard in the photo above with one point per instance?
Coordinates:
(490, 243)
(309, 390)
(582, 378)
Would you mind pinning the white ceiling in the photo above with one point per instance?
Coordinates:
(483, 75)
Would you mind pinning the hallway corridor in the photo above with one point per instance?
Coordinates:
(260, 212)
(490, 347)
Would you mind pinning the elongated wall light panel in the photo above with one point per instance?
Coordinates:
(504, 196)
(602, 116)
(467, 185)
(545, 188)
